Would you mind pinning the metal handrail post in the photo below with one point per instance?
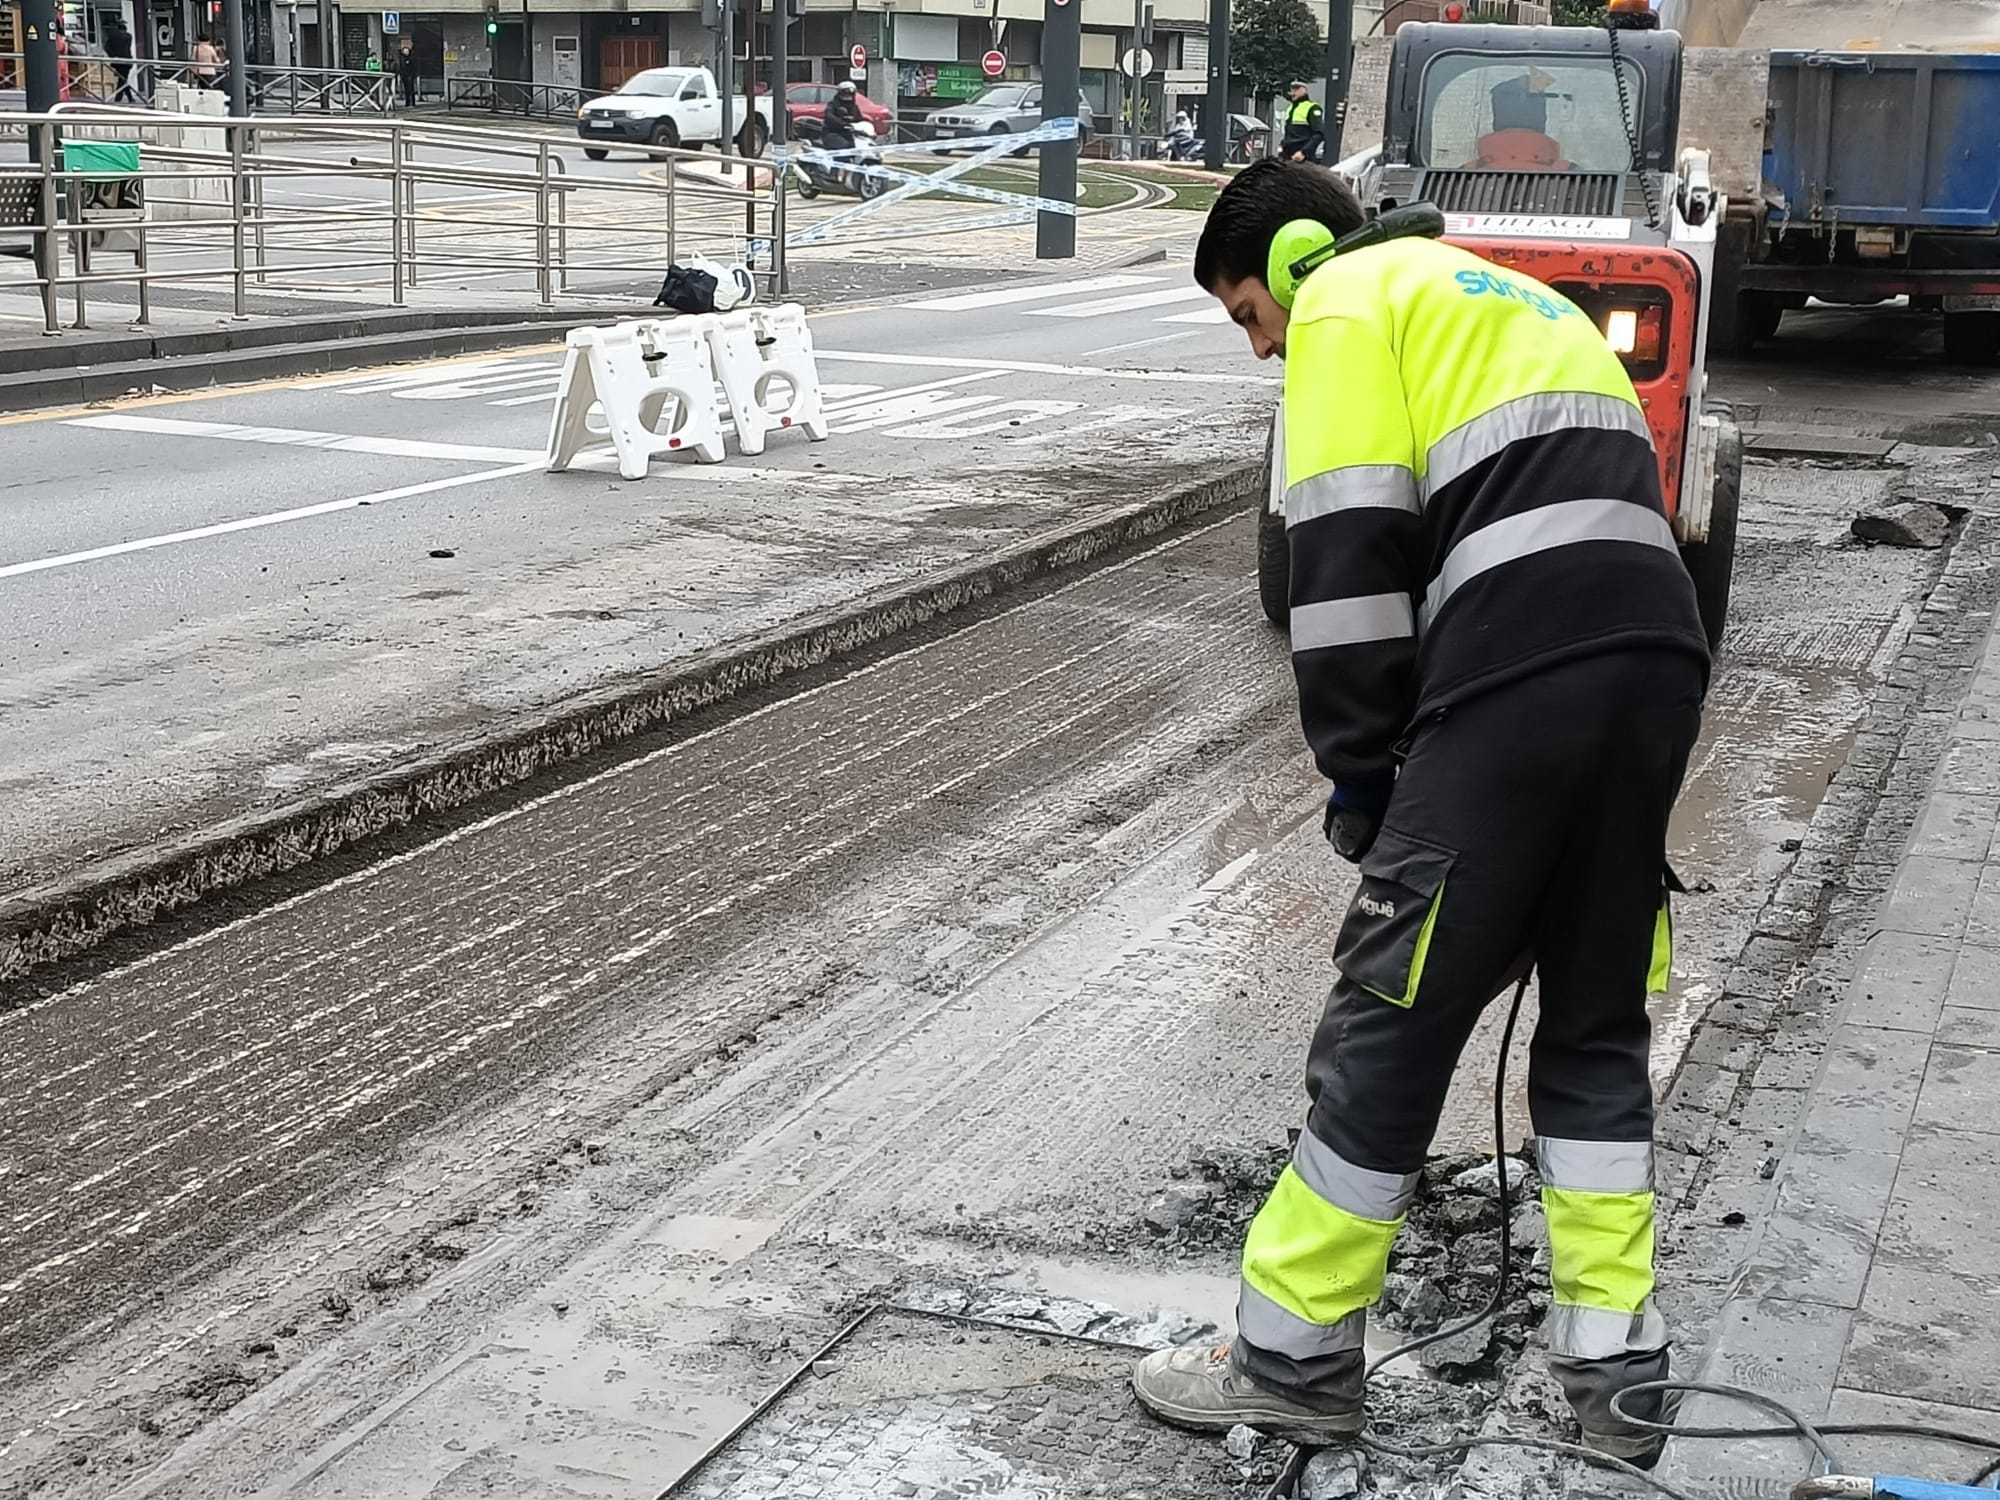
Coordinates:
(543, 284)
(237, 206)
(51, 256)
(145, 264)
(780, 274)
(396, 216)
(562, 228)
(673, 209)
(257, 201)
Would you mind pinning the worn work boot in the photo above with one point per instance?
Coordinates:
(1636, 1445)
(1201, 1388)
(1591, 1385)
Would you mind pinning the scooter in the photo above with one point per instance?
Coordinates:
(837, 176)
(1182, 146)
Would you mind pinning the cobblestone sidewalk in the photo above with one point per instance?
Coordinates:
(1837, 1130)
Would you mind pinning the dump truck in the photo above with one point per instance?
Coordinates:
(1553, 151)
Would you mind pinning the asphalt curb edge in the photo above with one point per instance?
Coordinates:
(64, 920)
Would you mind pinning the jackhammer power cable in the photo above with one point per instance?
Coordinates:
(1814, 1434)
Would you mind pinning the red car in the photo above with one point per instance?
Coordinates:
(808, 101)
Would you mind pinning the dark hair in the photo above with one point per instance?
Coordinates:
(1264, 197)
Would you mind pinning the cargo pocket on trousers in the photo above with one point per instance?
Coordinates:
(1387, 934)
(1660, 966)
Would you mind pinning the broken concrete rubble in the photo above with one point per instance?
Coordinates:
(1911, 523)
(1332, 1474)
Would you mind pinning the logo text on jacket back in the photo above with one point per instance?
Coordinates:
(1479, 283)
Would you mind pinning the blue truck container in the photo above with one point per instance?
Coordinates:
(1904, 139)
(1881, 180)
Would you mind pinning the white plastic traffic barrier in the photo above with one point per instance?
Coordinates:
(654, 381)
(761, 354)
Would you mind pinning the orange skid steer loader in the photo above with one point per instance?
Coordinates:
(1550, 150)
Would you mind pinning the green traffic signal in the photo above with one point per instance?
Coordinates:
(492, 26)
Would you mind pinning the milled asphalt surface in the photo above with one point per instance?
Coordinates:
(528, 1157)
(272, 662)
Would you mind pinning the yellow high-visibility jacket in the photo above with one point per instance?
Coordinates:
(1471, 495)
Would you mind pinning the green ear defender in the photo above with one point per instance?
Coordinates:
(1297, 249)
(1302, 246)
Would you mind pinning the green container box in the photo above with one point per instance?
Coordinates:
(101, 158)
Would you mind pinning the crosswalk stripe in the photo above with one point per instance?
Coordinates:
(1205, 315)
(1005, 296)
(1158, 297)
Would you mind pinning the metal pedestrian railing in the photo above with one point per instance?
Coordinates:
(270, 90)
(508, 96)
(320, 206)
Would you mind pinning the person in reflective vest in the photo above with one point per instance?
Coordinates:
(1500, 669)
(1304, 127)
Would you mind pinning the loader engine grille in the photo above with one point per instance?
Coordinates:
(1597, 194)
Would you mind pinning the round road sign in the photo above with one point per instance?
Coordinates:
(857, 56)
(994, 64)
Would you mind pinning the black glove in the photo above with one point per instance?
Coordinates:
(1354, 815)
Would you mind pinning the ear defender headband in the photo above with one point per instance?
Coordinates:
(1302, 246)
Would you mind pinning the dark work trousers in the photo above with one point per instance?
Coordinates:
(1530, 819)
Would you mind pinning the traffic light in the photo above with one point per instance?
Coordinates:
(1146, 28)
(492, 21)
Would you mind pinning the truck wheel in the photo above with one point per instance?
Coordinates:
(1757, 317)
(1711, 563)
(1274, 549)
(667, 135)
(1972, 338)
(595, 153)
(750, 140)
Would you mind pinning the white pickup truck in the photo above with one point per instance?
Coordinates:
(670, 107)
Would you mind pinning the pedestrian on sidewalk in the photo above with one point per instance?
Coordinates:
(406, 70)
(207, 58)
(118, 47)
(1500, 669)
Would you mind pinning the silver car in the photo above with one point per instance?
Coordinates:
(998, 109)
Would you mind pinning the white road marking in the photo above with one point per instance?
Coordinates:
(299, 437)
(252, 523)
(1035, 367)
(1205, 315)
(1165, 338)
(1158, 297)
(1006, 296)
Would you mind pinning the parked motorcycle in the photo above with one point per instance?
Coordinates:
(838, 176)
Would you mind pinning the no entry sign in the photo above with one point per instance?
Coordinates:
(994, 64)
(857, 56)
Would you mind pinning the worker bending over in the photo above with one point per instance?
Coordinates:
(1500, 669)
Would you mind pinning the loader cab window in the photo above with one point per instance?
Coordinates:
(1541, 113)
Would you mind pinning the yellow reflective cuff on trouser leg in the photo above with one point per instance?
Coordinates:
(1310, 1272)
(1661, 972)
(1601, 1271)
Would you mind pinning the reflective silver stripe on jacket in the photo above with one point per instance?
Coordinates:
(1600, 1333)
(1351, 622)
(1472, 443)
(1277, 1330)
(1357, 487)
(1355, 1190)
(1540, 530)
(1595, 1166)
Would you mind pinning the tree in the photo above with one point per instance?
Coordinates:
(1272, 42)
(1579, 12)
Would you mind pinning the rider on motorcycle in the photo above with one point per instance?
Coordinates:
(843, 113)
